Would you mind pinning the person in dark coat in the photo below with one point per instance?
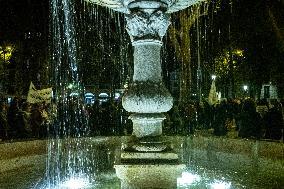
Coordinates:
(250, 122)
(220, 117)
(3, 122)
(36, 120)
(12, 113)
(274, 122)
(23, 122)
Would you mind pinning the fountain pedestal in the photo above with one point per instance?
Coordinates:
(146, 161)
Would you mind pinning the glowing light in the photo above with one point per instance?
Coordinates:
(239, 52)
(70, 86)
(89, 95)
(188, 179)
(74, 94)
(245, 87)
(75, 183)
(116, 95)
(220, 185)
(213, 77)
(103, 95)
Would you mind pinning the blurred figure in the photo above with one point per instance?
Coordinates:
(43, 108)
(106, 119)
(94, 121)
(3, 121)
(189, 116)
(262, 107)
(274, 122)
(176, 120)
(219, 122)
(12, 117)
(23, 122)
(116, 117)
(250, 122)
(36, 120)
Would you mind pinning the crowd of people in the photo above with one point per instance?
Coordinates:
(20, 119)
(245, 118)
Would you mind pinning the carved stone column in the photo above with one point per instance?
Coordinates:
(147, 161)
(147, 97)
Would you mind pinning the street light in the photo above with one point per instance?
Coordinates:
(245, 90)
(213, 77)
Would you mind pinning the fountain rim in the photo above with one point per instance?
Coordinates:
(122, 6)
(147, 4)
(147, 42)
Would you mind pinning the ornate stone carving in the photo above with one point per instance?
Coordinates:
(142, 25)
(123, 5)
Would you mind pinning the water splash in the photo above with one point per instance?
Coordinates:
(79, 50)
(67, 153)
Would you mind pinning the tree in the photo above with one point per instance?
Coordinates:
(181, 40)
(276, 17)
(104, 48)
(6, 51)
(223, 69)
(179, 34)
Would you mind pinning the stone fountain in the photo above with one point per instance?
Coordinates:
(147, 161)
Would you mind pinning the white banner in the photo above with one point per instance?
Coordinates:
(38, 96)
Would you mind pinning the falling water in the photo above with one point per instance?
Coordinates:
(67, 158)
(69, 148)
(78, 32)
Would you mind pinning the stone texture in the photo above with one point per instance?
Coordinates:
(155, 155)
(22, 164)
(149, 176)
(147, 93)
(122, 5)
(145, 125)
(144, 25)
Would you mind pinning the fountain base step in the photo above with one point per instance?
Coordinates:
(147, 144)
(146, 176)
(153, 155)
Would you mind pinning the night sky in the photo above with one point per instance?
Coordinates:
(253, 29)
(20, 16)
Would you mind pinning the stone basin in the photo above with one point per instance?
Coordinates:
(243, 163)
(124, 5)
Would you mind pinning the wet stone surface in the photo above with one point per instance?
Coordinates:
(209, 161)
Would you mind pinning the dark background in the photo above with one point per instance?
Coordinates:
(257, 27)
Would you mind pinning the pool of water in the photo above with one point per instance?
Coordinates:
(213, 163)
